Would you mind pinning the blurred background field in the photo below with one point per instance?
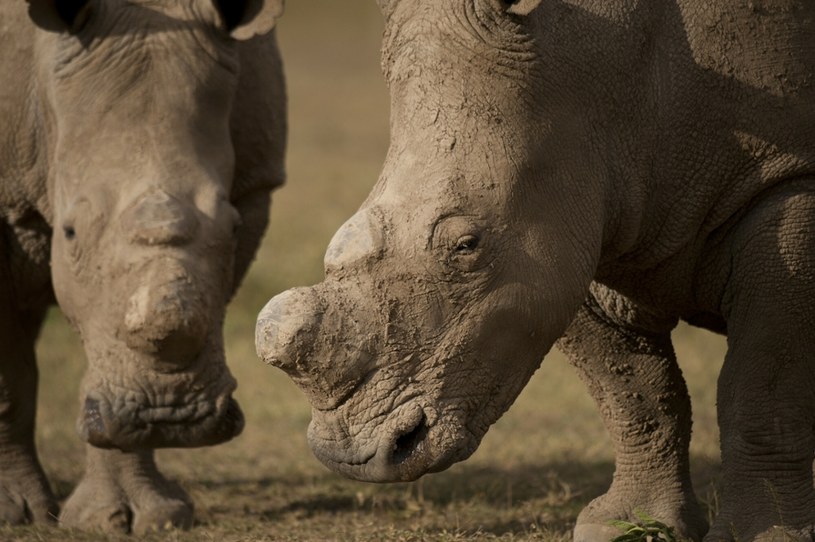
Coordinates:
(537, 467)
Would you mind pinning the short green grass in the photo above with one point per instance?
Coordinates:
(537, 467)
(644, 529)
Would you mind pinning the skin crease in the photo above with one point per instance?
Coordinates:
(137, 157)
(589, 173)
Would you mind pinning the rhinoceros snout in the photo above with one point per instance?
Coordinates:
(287, 327)
(402, 448)
(107, 424)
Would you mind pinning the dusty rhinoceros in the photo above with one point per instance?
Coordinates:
(588, 171)
(139, 143)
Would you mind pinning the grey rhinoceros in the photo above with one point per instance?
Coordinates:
(139, 143)
(589, 172)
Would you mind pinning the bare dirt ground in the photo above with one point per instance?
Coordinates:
(534, 471)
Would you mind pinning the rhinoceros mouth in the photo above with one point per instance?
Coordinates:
(134, 425)
(403, 451)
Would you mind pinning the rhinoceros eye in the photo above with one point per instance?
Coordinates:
(461, 242)
(73, 248)
(465, 254)
(76, 230)
(466, 245)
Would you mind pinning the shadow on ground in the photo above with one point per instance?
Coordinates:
(485, 499)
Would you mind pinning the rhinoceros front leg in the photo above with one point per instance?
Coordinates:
(25, 495)
(644, 402)
(125, 492)
(766, 391)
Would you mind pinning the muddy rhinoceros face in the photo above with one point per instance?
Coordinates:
(146, 286)
(465, 264)
(144, 232)
(423, 333)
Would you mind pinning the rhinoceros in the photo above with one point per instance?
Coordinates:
(139, 144)
(586, 173)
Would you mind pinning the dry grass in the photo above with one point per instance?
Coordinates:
(535, 469)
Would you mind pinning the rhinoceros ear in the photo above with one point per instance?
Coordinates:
(245, 19)
(521, 7)
(57, 15)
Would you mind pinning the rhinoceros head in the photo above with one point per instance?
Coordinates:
(468, 260)
(137, 98)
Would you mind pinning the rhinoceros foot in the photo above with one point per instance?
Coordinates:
(780, 534)
(126, 494)
(25, 497)
(677, 511)
(723, 532)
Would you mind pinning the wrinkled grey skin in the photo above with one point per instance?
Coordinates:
(588, 172)
(139, 145)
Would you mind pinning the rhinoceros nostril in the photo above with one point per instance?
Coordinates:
(234, 417)
(94, 422)
(410, 442)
